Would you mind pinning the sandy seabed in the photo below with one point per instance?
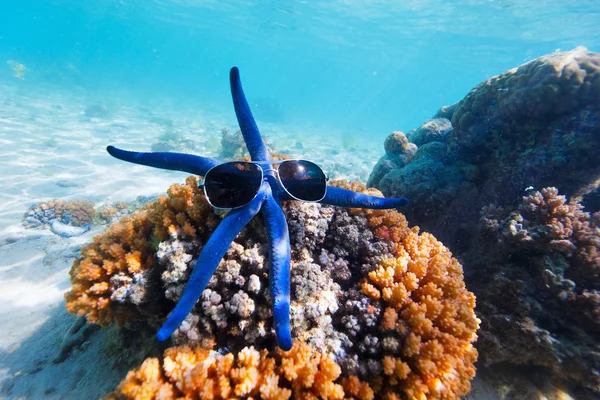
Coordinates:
(50, 149)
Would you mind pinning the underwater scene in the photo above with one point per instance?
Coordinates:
(344, 199)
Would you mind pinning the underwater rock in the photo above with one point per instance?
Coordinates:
(398, 153)
(67, 184)
(379, 305)
(76, 336)
(530, 127)
(66, 231)
(446, 111)
(434, 130)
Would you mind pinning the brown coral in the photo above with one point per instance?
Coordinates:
(539, 292)
(80, 212)
(110, 277)
(195, 373)
(545, 222)
(544, 88)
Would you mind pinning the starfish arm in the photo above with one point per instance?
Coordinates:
(207, 263)
(279, 273)
(173, 161)
(347, 198)
(254, 143)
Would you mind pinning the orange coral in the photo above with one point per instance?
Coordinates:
(427, 304)
(427, 325)
(126, 249)
(194, 373)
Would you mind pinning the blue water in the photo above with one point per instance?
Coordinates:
(350, 66)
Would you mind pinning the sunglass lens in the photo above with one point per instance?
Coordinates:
(303, 179)
(232, 184)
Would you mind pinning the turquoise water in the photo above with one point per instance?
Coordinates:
(364, 66)
(327, 81)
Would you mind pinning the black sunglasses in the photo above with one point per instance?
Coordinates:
(234, 184)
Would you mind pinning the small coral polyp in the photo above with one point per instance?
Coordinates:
(384, 304)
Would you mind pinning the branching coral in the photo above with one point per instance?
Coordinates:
(186, 372)
(385, 303)
(114, 274)
(531, 265)
(568, 237)
(425, 320)
(236, 305)
(541, 304)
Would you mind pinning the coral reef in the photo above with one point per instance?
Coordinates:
(203, 374)
(64, 218)
(76, 217)
(114, 276)
(232, 145)
(111, 212)
(266, 199)
(535, 125)
(430, 175)
(72, 212)
(434, 130)
(384, 304)
(398, 153)
(532, 262)
(540, 299)
(446, 111)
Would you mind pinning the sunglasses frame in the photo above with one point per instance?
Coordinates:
(262, 177)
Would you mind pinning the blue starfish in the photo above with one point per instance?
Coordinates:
(268, 201)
